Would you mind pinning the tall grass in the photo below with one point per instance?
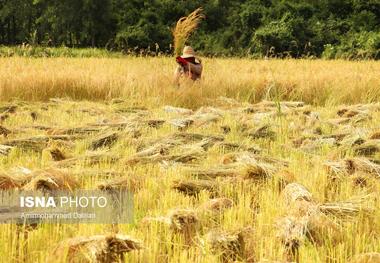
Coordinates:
(150, 79)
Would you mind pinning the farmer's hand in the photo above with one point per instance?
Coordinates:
(181, 61)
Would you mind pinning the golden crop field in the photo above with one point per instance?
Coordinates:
(149, 80)
(260, 161)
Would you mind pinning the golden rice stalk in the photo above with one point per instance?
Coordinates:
(349, 166)
(104, 140)
(367, 148)
(230, 246)
(291, 231)
(132, 183)
(99, 248)
(50, 180)
(183, 29)
(214, 172)
(296, 192)
(375, 135)
(9, 181)
(347, 209)
(183, 221)
(5, 150)
(371, 257)
(194, 187)
(89, 159)
(216, 205)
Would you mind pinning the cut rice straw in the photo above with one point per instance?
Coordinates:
(183, 29)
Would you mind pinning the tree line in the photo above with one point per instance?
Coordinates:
(255, 28)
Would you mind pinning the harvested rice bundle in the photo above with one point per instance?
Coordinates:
(38, 143)
(305, 220)
(227, 102)
(216, 205)
(182, 124)
(352, 140)
(8, 181)
(371, 257)
(184, 28)
(367, 148)
(257, 171)
(5, 150)
(51, 180)
(186, 154)
(210, 110)
(284, 177)
(154, 123)
(193, 137)
(349, 113)
(315, 141)
(8, 109)
(183, 154)
(350, 110)
(181, 221)
(4, 131)
(3, 117)
(198, 119)
(296, 192)
(313, 145)
(249, 157)
(146, 148)
(99, 248)
(89, 159)
(264, 131)
(275, 104)
(272, 261)
(201, 119)
(225, 129)
(351, 165)
(214, 172)
(182, 111)
(230, 146)
(194, 187)
(347, 209)
(229, 246)
(375, 135)
(131, 183)
(349, 120)
(74, 131)
(292, 233)
(104, 140)
(360, 179)
(179, 138)
(253, 171)
(55, 152)
(317, 227)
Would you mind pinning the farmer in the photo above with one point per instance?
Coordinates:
(188, 65)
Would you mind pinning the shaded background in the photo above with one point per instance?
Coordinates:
(256, 28)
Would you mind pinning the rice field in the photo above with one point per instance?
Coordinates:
(262, 161)
(149, 80)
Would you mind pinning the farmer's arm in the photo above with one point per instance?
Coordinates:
(177, 74)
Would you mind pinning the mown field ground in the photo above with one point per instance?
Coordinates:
(214, 179)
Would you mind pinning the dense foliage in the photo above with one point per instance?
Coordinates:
(297, 28)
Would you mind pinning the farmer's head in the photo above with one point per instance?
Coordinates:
(188, 52)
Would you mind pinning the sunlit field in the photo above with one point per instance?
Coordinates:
(149, 80)
(260, 161)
